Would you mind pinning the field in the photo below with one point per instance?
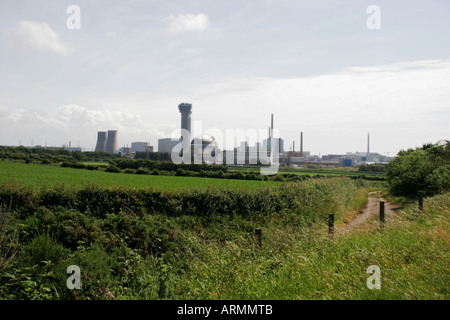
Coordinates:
(169, 237)
(37, 175)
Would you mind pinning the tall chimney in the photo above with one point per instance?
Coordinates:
(368, 144)
(301, 142)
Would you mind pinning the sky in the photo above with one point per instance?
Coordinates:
(334, 70)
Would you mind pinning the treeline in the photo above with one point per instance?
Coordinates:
(150, 167)
(46, 155)
(156, 156)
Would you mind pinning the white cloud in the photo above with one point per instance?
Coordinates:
(41, 36)
(188, 23)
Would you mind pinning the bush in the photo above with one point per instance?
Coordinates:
(42, 248)
(112, 168)
(425, 169)
(142, 171)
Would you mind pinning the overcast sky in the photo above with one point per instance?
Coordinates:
(316, 65)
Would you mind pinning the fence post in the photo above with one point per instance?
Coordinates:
(382, 213)
(258, 234)
(331, 223)
(420, 201)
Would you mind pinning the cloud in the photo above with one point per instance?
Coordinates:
(405, 102)
(41, 36)
(183, 23)
(74, 122)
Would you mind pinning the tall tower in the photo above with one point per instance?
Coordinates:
(186, 111)
(301, 142)
(271, 124)
(368, 144)
(112, 143)
(101, 141)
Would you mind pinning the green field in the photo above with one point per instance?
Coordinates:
(38, 175)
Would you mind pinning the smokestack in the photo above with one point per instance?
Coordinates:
(368, 144)
(271, 122)
(101, 141)
(112, 143)
(293, 146)
(186, 111)
(301, 142)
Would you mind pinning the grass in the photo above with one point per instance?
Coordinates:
(37, 175)
(214, 256)
(412, 253)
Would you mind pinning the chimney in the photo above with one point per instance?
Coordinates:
(301, 142)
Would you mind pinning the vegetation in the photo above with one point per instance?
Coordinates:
(131, 244)
(48, 155)
(144, 230)
(425, 169)
(375, 167)
(39, 176)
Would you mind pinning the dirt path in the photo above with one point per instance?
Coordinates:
(371, 209)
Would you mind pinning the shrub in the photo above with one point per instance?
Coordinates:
(141, 170)
(112, 168)
(425, 169)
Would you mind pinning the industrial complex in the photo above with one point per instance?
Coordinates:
(205, 149)
(243, 154)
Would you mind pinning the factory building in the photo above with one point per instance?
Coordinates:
(139, 147)
(167, 144)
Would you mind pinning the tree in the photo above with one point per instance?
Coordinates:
(424, 169)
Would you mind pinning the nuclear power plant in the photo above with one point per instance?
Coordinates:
(107, 141)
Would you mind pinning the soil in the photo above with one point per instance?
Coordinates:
(371, 209)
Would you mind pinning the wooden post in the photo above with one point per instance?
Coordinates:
(420, 201)
(331, 223)
(258, 234)
(382, 213)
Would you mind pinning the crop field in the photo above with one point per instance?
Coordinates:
(37, 175)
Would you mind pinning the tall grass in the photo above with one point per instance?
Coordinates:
(200, 244)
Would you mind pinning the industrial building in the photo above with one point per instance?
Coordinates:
(140, 147)
(167, 144)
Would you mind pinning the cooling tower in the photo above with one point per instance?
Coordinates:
(101, 141)
(112, 143)
(185, 110)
